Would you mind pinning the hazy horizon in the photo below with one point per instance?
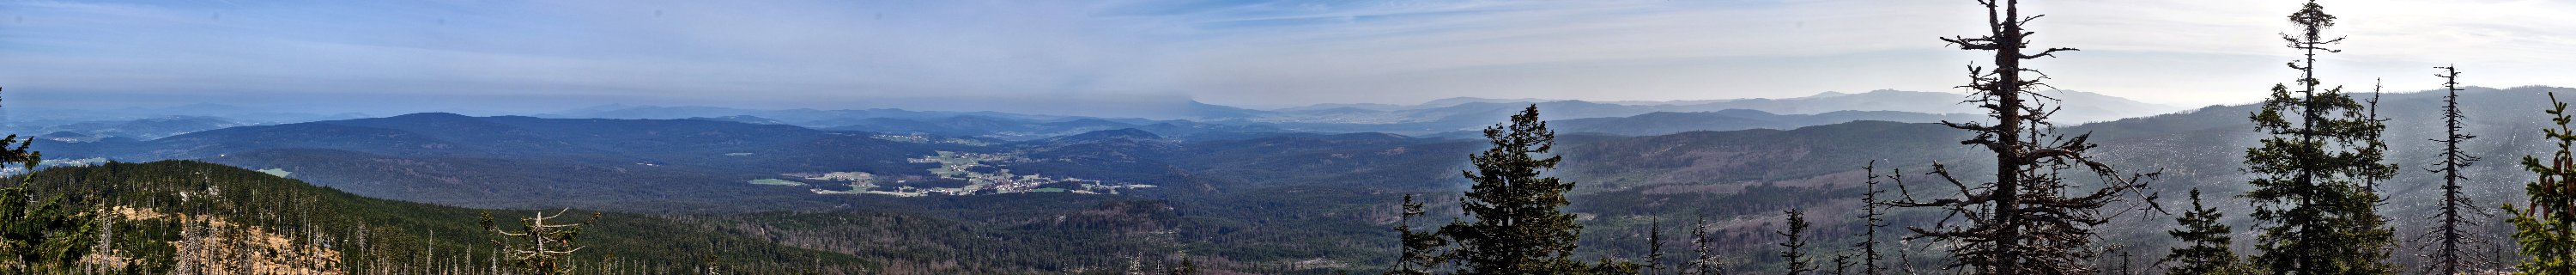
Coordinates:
(1090, 107)
(1002, 56)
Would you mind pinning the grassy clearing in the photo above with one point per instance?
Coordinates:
(277, 172)
(778, 182)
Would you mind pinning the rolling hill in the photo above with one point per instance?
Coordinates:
(187, 215)
(1265, 200)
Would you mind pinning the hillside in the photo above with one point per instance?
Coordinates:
(529, 162)
(1744, 177)
(187, 215)
(1665, 123)
(1257, 201)
(1457, 114)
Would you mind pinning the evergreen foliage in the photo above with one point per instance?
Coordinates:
(42, 234)
(2205, 240)
(2546, 227)
(1520, 226)
(1421, 252)
(1188, 267)
(1655, 246)
(188, 209)
(2314, 175)
(1792, 247)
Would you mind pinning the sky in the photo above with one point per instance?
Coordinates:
(531, 56)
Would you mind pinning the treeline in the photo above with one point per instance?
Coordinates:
(187, 217)
(2315, 192)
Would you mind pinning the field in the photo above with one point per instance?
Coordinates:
(275, 171)
(778, 182)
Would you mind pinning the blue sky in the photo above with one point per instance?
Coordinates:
(549, 55)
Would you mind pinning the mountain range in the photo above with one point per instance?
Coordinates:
(2084, 107)
(1264, 197)
(1454, 117)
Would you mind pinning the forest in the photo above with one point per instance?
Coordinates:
(2013, 191)
(2315, 191)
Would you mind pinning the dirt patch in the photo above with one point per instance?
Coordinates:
(215, 246)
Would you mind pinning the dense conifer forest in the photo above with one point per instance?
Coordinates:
(2313, 179)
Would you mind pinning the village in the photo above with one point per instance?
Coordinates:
(958, 174)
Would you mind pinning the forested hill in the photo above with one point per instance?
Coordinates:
(185, 215)
(518, 161)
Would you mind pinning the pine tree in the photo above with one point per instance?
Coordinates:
(540, 248)
(2546, 227)
(1520, 226)
(1792, 248)
(2314, 175)
(2206, 243)
(2454, 232)
(2028, 220)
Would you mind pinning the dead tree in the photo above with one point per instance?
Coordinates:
(539, 248)
(1871, 219)
(2027, 220)
(1707, 262)
(2451, 256)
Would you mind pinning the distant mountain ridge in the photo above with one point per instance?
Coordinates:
(331, 226)
(1664, 123)
(486, 161)
(2086, 107)
(1432, 117)
(1307, 185)
(145, 128)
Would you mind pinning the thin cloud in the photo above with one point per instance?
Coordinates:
(830, 54)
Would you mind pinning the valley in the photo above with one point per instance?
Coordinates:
(1287, 137)
(1262, 202)
(958, 174)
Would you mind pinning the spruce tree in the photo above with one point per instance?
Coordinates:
(1607, 266)
(2028, 220)
(40, 235)
(2205, 240)
(2546, 227)
(1421, 248)
(1187, 267)
(1655, 246)
(1794, 243)
(2314, 175)
(2454, 232)
(1520, 226)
